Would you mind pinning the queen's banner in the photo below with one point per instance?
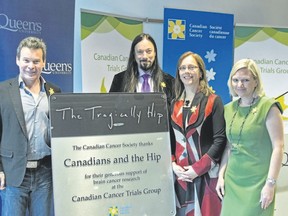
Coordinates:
(105, 47)
(208, 34)
(268, 47)
(43, 19)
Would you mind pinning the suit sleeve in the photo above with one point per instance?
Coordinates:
(213, 141)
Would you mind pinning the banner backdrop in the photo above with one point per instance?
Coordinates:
(208, 34)
(105, 45)
(53, 21)
(268, 47)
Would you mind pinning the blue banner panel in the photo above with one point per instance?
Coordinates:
(208, 34)
(53, 21)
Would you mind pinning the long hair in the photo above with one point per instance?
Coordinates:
(203, 84)
(132, 74)
(255, 71)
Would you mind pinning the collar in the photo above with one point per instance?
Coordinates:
(141, 72)
(23, 86)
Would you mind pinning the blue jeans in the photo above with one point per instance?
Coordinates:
(35, 194)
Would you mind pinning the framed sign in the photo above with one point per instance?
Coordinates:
(111, 154)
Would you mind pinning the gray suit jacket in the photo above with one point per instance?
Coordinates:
(13, 132)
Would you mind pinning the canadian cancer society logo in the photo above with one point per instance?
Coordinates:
(119, 210)
(176, 29)
(19, 25)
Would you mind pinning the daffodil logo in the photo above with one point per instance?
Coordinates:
(211, 88)
(163, 84)
(113, 211)
(176, 29)
(51, 91)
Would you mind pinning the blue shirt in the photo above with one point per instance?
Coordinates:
(35, 108)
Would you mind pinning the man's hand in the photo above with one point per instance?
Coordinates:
(2, 181)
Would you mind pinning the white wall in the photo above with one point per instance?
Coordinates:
(256, 13)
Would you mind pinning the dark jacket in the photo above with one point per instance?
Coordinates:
(118, 85)
(13, 132)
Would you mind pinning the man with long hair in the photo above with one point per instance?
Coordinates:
(143, 62)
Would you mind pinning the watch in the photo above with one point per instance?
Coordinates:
(271, 181)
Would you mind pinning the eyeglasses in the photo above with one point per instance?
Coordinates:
(189, 67)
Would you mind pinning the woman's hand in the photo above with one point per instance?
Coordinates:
(267, 195)
(189, 174)
(178, 170)
(220, 187)
(186, 173)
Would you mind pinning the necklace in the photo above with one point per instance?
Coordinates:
(236, 146)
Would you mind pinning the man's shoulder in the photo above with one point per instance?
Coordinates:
(120, 74)
(8, 81)
(53, 86)
(117, 84)
(167, 76)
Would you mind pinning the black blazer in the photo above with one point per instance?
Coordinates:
(13, 132)
(118, 85)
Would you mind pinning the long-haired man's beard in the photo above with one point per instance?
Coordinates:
(145, 65)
